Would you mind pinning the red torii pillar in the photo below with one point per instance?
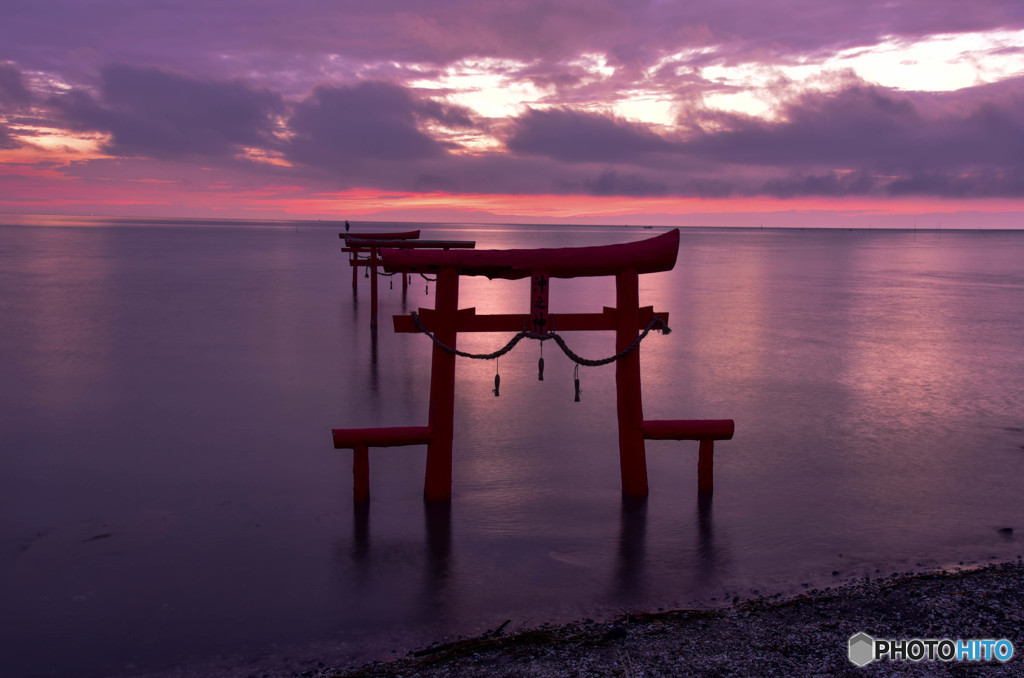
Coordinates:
(437, 484)
(628, 400)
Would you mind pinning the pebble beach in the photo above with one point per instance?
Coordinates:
(805, 635)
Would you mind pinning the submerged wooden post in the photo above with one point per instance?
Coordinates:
(437, 485)
(632, 456)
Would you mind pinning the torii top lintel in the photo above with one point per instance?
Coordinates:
(645, 256)
(370, 243)
(389, 235)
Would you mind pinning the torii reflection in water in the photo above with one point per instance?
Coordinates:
(434, 596)
(630, 578)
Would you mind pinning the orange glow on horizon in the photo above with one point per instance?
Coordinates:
(368, 201)
(44, 188)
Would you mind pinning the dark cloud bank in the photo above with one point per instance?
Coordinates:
(859, 140)
(369, 121)
(195, 35)
(14, 95)
(153, 113)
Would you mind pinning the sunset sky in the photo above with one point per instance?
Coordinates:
(792, 112)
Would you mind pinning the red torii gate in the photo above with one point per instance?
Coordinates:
(446, 320)
(356, 244)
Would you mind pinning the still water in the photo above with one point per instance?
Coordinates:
(169, 494)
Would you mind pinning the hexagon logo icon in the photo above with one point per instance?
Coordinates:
(862, 649)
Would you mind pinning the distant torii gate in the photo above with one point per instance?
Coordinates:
(371, 243)
(354, 251)
(446, 320)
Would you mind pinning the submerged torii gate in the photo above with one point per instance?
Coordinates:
(446, 320)
(372, 243)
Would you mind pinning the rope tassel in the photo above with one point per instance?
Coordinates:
(576, 380)
(497, 379)
(426, 287)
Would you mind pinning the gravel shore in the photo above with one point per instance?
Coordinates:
(806, 635)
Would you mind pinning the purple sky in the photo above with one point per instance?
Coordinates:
(827, 113)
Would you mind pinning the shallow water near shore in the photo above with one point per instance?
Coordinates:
(169, 491)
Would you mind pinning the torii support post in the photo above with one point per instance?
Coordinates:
(361, 474)
(707, 431)
(706, 467)
(370, 263)
(373, 288)
(360, 440)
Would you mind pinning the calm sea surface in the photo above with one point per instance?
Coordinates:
(170, 497)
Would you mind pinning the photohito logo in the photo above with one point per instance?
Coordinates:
(864, 649)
